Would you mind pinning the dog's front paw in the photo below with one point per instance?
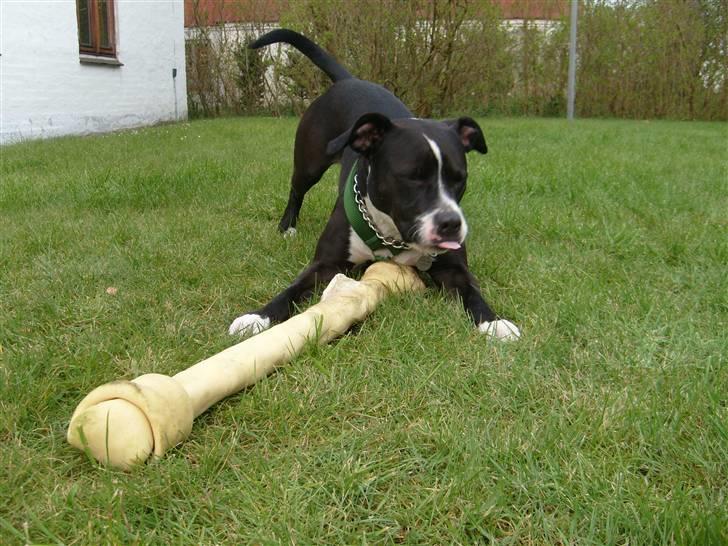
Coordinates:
(249, 325)
(500, 329)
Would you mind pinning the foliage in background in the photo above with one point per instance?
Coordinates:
(637, 58)
(438, 57)
(223, 75)
(249, 78)
(654, 59)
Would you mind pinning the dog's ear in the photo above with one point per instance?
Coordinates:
(471, 135)
(363, 136)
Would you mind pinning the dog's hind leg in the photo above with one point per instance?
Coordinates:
(310, 160)
(301, 182)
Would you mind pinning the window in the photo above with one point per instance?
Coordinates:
(96, 34)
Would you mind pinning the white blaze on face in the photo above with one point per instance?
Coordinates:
(444, 204)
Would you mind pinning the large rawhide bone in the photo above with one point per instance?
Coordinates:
(122, 423)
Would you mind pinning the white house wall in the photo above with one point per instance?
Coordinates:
(45, 91)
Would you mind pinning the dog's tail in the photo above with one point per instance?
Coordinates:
(318, 56)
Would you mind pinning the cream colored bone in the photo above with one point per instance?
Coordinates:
(122, 423)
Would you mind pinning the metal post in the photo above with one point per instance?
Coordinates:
(572, 61)
(174, 86)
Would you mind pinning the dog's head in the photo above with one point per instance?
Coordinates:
(417, 176)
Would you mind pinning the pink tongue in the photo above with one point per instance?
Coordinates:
(449, 245)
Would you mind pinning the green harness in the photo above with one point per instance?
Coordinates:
(356, 217)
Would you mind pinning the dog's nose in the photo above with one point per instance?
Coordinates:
(448, 224)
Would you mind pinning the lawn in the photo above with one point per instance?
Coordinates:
(606, 242)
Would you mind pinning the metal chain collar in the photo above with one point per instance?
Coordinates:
(389, 241)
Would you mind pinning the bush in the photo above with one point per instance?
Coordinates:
(223, 75)
(636, 59)
(250, 78)
(439, 57)
(653, 59)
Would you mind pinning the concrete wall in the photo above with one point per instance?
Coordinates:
(45, 91)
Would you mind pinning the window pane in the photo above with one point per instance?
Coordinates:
(104, 22)
(84, 22)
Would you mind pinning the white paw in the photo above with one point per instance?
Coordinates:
(290, 232)
(249, 325)
(500, 329)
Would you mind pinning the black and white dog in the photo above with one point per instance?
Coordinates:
(401, 181)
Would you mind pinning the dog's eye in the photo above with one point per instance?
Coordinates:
(456, 184)
(417, 182)
(458, 179)
(454, 175)
(418, 174)
(418, 177)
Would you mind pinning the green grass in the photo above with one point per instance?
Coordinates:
(607, 423)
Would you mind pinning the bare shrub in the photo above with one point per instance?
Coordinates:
(438, 57)
(223, 75)
(636, 58)
(653, 59)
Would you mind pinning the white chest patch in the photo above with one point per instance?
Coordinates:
(359, 253)
(414, 258)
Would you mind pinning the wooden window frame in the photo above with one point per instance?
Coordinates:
(94, 30)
